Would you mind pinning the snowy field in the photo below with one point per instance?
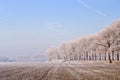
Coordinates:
(60, 71)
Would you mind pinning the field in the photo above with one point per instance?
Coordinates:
(60, 71)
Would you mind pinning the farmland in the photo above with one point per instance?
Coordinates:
(60, 71)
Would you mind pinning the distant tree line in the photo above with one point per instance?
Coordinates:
(35, 58)
(5, 59)
(104, 45)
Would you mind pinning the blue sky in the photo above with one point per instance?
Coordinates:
(29, 27)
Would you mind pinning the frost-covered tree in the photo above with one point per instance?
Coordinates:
(108, 38)
(100, 46)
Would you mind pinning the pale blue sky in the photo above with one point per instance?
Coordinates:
(29, 27)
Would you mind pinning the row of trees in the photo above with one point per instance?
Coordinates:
(104, 45)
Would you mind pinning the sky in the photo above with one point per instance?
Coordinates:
(30, 27)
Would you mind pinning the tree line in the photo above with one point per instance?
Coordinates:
(104, 45)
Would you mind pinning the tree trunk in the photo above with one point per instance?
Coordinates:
(117, 56)
(92, 57)
(113, 55)
(105, 56)
(100, 56)
(109, 57)
(87, 56)
(79, 56)
(95, 57)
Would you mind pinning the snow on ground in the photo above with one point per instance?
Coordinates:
(59, 70)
